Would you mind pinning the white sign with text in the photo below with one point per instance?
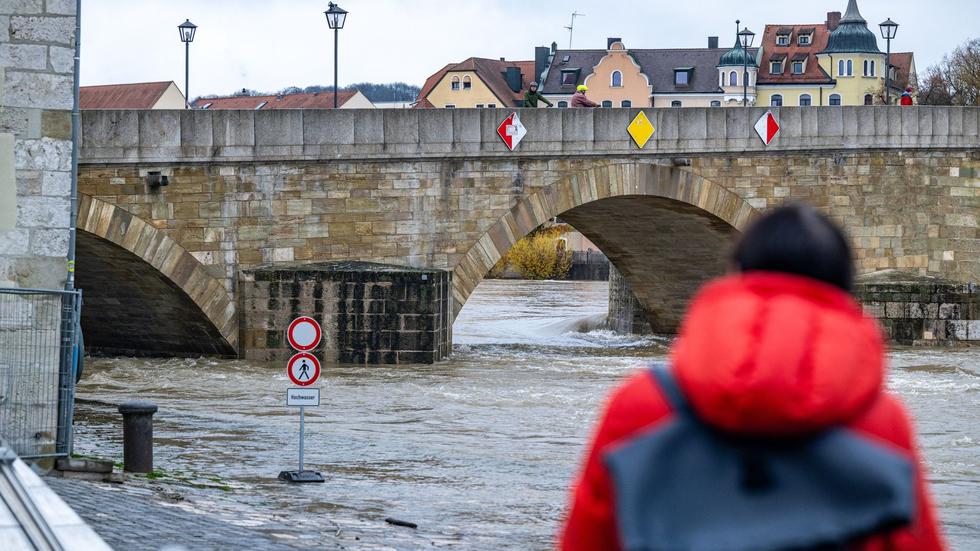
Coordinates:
(307, 397)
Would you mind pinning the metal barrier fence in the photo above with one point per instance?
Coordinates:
(38, 332)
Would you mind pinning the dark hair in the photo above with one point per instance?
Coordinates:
(797, 239)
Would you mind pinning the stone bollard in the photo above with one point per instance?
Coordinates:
(138, 436)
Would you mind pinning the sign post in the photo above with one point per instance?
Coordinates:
(303, 369)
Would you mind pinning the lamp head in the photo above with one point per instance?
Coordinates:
(187, 31)
(336, 16)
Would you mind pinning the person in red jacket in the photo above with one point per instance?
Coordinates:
(906, 97)
(770, 429)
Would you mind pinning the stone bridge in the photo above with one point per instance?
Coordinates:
(253, 194)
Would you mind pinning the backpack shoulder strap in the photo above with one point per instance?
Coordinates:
(664, 378)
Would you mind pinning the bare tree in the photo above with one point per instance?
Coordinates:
(955, 80)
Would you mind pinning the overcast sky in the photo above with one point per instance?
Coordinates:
(270, 44)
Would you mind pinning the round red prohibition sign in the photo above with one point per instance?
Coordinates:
(303, 369)
(303, 333)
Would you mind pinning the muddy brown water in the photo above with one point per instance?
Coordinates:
(478, 451)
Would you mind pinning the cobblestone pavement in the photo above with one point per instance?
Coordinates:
(133, 517)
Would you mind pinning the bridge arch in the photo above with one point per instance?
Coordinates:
(664, 227)
(144, 293)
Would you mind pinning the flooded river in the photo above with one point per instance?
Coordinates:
(478, 451)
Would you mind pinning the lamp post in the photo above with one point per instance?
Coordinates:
(745, 38)
(187, 31)
(335, 18)
(889, 29)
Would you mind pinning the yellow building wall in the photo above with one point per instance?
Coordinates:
(791, 96)
(853, 88)
(479, 93)
(635, 88)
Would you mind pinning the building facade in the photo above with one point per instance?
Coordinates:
(477, 83)
(623, 77)
(837, 62)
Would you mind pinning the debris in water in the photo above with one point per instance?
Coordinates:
(404, 523)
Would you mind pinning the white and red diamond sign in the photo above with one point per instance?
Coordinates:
(767, 127)
(511, 131)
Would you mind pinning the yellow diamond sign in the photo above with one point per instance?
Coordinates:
(641, 129)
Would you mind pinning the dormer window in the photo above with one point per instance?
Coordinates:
(799, 64)
(776, 64)
(783, 36)
(682, 76)
(805, 37)
(569, 77)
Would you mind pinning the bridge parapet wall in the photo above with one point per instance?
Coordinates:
(114, 137)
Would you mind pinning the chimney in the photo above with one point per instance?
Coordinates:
(540, 62)
(502, 59)
(833, 20)
(609, 41)
(554, 47)
(514, 80)
(713, 42)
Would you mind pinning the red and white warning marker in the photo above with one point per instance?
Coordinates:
(511, 131)
(304, 333)
(767, 127)
(303, 369)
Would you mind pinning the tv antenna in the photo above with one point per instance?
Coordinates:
(571, 28)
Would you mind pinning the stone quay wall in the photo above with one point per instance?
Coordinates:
(37, 48)
(437, 189)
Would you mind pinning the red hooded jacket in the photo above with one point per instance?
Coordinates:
(761, 354)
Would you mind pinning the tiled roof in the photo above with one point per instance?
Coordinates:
(584, 60)
(657, 64)
(140, 95)
(491, 71)
(813, 73)
(903, 62)
(319, 100)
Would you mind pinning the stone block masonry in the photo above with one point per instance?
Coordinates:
(626, 315)
(37, 42)
(917, 310)
(370, 313)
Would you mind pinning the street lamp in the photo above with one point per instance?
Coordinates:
(335, 18)
(888, 31)
(745, 38)
(187, 31)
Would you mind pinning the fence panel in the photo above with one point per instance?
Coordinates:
(37, 386)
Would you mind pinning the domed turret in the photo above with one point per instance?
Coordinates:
(737, 56)
(852, 34)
